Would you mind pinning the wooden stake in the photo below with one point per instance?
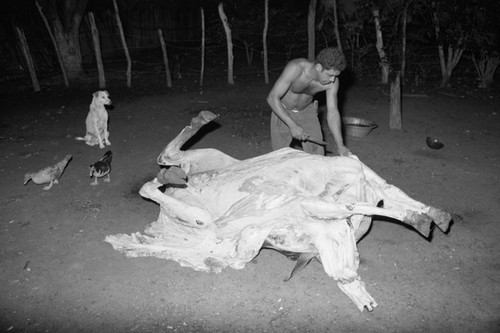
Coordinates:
(97, 49)
(124, 43)
(264, 40)
(29, 60)
(311, 30)
(395, 114)
(165, 59)
(230, 56)
(59, 58)
(202, 71)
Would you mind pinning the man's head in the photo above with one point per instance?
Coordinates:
(331, 58)
(329, 63)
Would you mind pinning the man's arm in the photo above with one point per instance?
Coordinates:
(333, 118)
(291, 72)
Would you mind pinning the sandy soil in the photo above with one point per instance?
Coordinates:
(58, 275)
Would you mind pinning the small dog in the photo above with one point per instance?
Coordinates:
(97, 121)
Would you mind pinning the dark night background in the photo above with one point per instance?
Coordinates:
(468, 25)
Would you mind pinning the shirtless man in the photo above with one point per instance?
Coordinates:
(295, 113)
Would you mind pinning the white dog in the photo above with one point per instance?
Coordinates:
(97, 121)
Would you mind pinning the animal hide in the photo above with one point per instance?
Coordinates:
(295, 201)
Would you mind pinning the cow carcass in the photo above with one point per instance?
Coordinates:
(217, 211)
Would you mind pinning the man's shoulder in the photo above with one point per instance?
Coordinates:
(299, 62)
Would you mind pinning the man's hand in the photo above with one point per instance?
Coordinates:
(298, 133)
(343, 150)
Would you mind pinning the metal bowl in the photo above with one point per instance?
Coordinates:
(434, 143)
(358, 127)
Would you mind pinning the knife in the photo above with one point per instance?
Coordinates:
(318, 142)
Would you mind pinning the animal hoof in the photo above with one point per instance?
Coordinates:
(94, 184)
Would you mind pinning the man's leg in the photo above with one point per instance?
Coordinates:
(280, 133)
(310, 123)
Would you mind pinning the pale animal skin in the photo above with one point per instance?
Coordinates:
(303, 205)
(49, 174)
(97, 121)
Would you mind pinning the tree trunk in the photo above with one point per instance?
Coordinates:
(67, 36)
(165, 58)
(264, 40)
(311, 31)
(58, 53)
(29, 60)
(97, 49)
(336, 26)
(202, 70)
(384, 61)
(68, 44)
(454, 55)
(395, 114)
(124, 44)
(248, 51)
(230, 56)
(403, 51)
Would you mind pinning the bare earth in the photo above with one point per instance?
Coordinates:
(58, 275)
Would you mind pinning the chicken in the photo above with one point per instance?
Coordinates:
(101, 168)
(49, 174)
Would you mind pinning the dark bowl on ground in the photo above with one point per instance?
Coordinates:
(434, 143)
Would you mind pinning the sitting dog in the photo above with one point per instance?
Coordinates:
(97, 121)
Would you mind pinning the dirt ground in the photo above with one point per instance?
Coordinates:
(58, 275)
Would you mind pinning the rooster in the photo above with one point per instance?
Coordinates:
(101, 168)
(49, 174)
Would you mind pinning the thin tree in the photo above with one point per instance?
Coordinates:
(448, 63)
(384, 60)
(52, 38)
(336, 24)
(403, 40)
(97, 50)
(29, 60)
(311, 30)
(124, 44)
(230, 57)
(264, 40)
(165, 58)
(202, 70)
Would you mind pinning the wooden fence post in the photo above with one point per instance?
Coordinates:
(124, 43)
(202, 71)
(395, 114)
(264, 40)
(165, 59)
(97, 49)
(58, 53)
(230, 56)
(29, 60)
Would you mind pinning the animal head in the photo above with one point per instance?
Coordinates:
(108, 155)
(101, 97)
